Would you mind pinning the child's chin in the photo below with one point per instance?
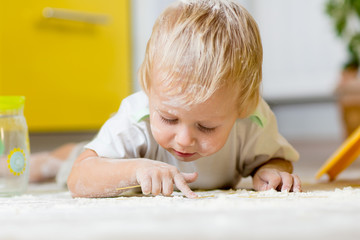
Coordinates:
(187, 159)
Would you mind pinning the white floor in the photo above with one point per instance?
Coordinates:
(322, 211)
(49, 213)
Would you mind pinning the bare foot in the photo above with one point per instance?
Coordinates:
(45, 165)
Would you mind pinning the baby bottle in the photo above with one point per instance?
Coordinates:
(14, 146)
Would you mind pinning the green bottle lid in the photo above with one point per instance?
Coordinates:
(11, 102)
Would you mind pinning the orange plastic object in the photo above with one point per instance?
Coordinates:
(343, 157)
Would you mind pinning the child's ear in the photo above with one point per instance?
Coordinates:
(241, 114)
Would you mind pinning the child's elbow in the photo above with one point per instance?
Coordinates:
(75, 186)
(72, 186)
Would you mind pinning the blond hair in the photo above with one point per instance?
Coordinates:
(200, 46)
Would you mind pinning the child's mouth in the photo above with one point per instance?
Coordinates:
(185, 155)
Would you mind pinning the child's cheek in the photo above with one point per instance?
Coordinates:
(206, 148)
(155, 130)
(154, 125)
(158, 134)
(209, 146)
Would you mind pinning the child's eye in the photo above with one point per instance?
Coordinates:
(205, 129)
(168, 121)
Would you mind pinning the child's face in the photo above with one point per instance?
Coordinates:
(195, 131)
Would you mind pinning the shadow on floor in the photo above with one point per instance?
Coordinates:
(49, 141)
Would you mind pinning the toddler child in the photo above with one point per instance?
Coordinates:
(199, 122)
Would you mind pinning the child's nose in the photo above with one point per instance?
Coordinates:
(185, 137)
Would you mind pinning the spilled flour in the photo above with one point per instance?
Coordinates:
(48, 212)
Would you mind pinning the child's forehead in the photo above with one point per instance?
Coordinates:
(201, 112)
(175, 82)
(183, 100)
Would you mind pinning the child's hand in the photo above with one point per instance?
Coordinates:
(158, 177)
(273, 176)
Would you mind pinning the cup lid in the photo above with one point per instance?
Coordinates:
(11, 102)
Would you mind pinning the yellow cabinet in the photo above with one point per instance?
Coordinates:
(70, 59)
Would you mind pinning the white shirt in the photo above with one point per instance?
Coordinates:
(251, 142)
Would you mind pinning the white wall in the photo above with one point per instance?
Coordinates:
(302, 59)
(144, 14)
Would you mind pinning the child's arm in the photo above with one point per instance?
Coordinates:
(93, 176)
(276, 174)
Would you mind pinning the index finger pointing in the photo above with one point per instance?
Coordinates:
(183, 187)
(297, 183)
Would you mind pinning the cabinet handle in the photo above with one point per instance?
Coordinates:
(72, 15)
